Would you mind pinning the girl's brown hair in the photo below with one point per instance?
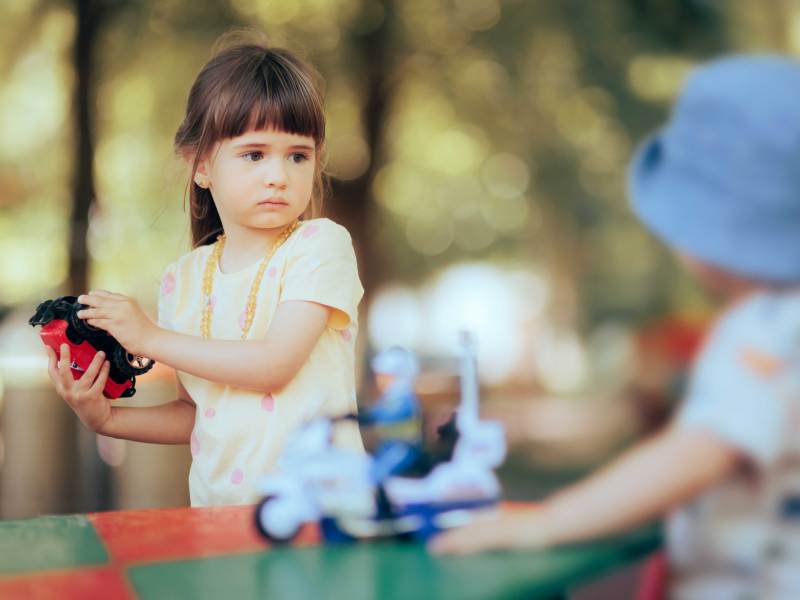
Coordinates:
(248, 86)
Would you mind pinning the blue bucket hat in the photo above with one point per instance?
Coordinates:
(721, 181)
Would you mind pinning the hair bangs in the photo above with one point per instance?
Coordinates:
(272, 96)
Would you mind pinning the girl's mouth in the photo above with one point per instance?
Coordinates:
(273, 202)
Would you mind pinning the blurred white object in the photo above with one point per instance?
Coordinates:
(480, 448)
(337, 487)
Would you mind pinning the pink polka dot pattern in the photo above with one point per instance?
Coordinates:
(242, 318)
(272, 271)
(268, 403)
(194, 444)
(346, 335)
(168, 284)
(210, 413)
(310, 230)
(237, 476)
(212, 301)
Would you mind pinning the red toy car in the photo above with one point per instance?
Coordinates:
(61, 325)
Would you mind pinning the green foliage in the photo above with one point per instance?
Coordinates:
(506, 130)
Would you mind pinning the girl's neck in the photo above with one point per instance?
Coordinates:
(245, 247)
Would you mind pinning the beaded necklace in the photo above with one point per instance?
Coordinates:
(208, 281)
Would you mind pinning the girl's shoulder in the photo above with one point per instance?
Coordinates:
(322, 226)
(190, 261)
(323, 233)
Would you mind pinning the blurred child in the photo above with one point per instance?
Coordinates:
(720, 184)
(259, 320)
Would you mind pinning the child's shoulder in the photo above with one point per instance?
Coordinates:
(189, 260)
(767, 307)
(324, 226)
(769, 318)
(324, 232)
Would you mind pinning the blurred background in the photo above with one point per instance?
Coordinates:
(477, 150)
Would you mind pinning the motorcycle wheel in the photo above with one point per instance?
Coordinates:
(274, 522)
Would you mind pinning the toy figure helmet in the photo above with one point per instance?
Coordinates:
(396, 361)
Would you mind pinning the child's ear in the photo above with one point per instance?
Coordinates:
(201, 176)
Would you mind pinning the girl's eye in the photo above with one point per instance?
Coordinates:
(298, 157)
(253, 156)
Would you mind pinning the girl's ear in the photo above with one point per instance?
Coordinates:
(201, 177)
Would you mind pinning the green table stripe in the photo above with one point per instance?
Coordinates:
(387, 571)
(53, 542)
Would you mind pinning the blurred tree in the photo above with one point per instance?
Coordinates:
(433, 92)
(352, 202)
(91, 16)
(93, 478)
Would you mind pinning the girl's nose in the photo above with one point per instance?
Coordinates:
(274, 174)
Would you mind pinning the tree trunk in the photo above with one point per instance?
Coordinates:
(352, 203)
(92, 481)
(83, 191)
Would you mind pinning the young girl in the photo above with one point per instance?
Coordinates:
(720, 185)
(260, 319)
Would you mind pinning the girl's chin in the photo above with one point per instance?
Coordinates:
(273, 221)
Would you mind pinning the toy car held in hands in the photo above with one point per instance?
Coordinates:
(61, 325)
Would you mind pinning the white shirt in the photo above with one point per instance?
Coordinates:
(745, 389)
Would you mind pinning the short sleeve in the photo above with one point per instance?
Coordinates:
(322, 268)
(737, 388)
(166, 297)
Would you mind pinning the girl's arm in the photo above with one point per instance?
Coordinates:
(267, 364)
(643, 484)
(169, 423)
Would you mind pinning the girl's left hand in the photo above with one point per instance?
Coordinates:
(120, 316)
(511, 529)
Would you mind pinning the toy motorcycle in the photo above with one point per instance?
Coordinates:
(352, 496)
(61, 325)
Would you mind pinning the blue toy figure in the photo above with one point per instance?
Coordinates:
(395, 417)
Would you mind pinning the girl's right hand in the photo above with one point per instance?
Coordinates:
(84, 395)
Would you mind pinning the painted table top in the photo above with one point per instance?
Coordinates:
(205, 553)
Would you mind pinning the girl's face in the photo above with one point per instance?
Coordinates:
(261, 179)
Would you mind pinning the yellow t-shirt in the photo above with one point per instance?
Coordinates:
(239, 434)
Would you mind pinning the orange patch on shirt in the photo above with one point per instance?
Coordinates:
(760, 362)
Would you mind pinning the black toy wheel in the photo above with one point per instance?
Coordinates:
(80, 326)
(43, 315)
(264, 517)
(73, 336)
(129, 364)
(63, 306)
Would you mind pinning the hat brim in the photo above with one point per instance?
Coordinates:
(690, 214)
